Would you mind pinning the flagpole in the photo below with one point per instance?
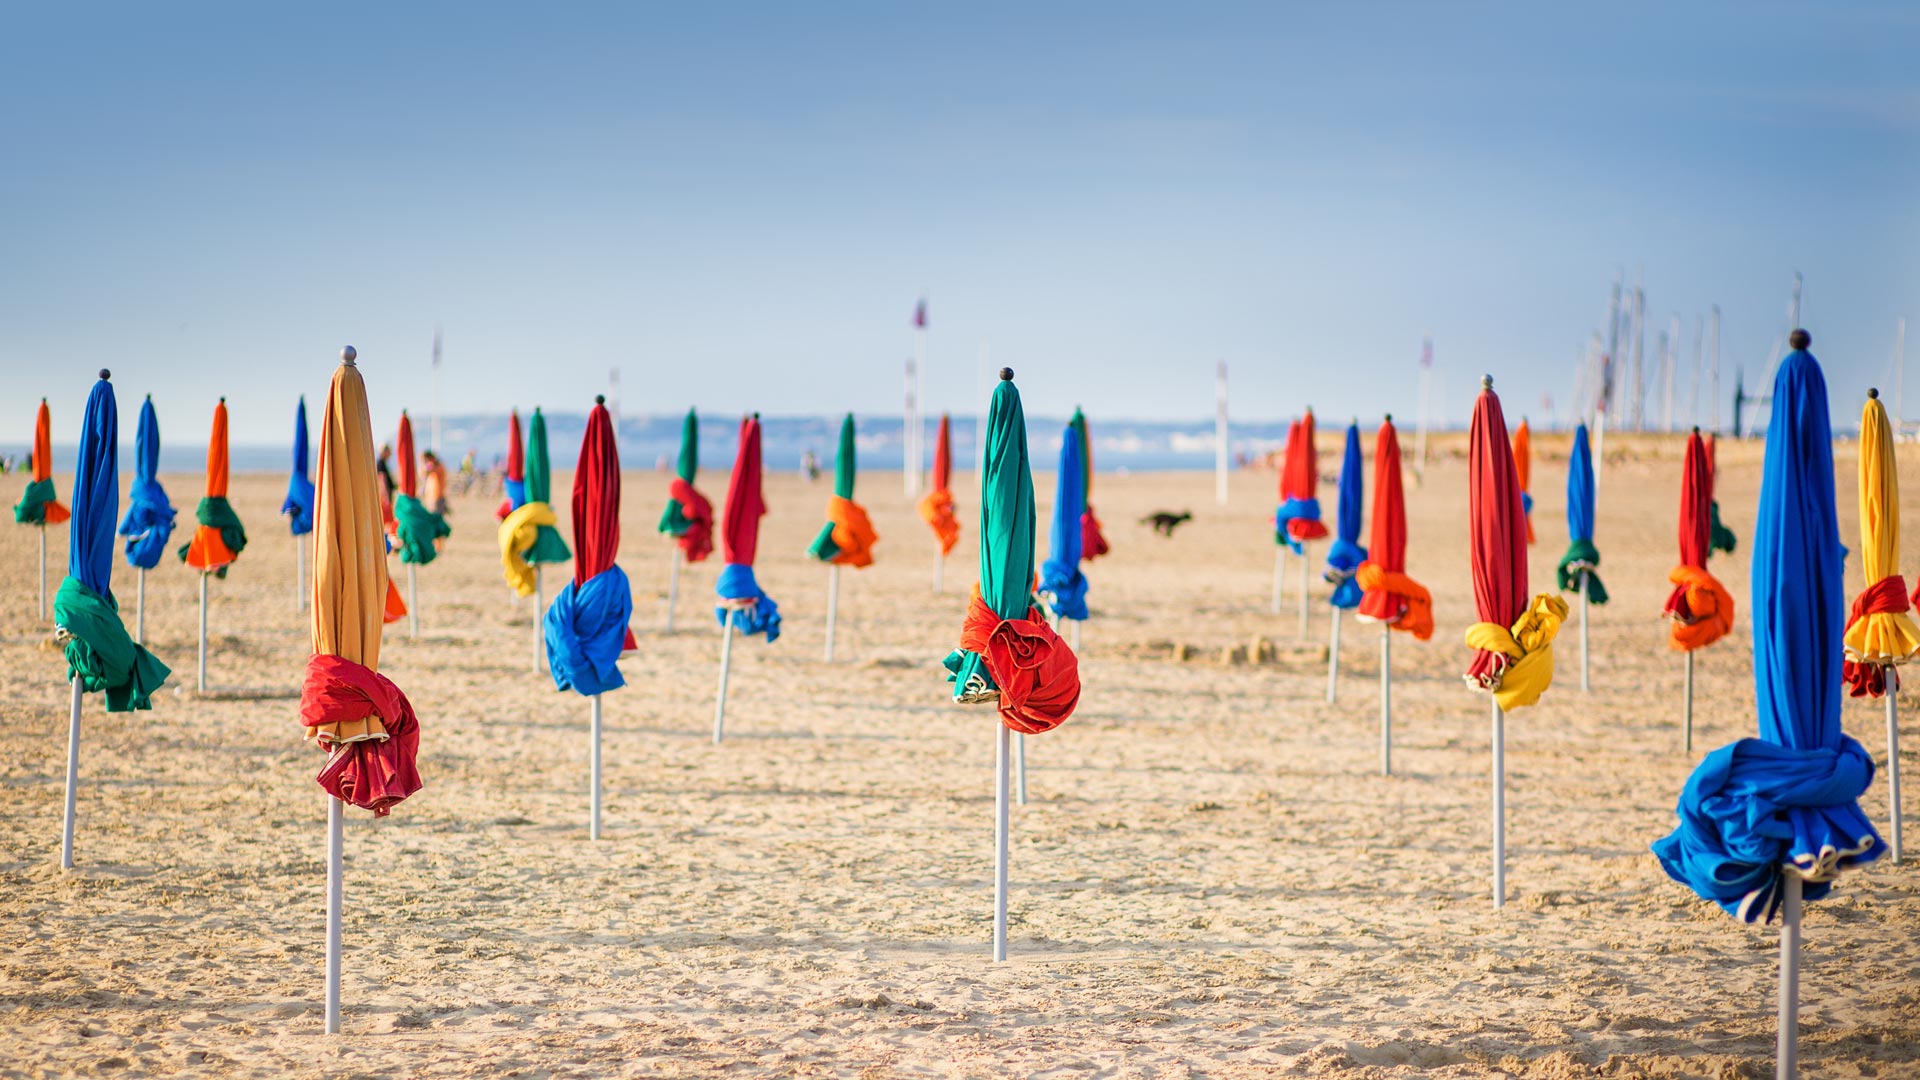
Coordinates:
(438, 446)
(907, 434)
(1220, 433)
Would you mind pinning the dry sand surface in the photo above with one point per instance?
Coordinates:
(1211, 877)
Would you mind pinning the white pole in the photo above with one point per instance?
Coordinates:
(1221, 449)
(1001, 823)
(1426, 385)
(336, 841)
(1687, 725)
(203, 632)
(726, 661)
(1020, 764)
(1333, 657)
(1499, 806)
(593, 822)
(43, 571)
(1786, 1064)
(1279, 576)
(1893, 763)
(413, 601)
(140, 609)
(1305, 569)
(539, 619)
(1585, 684)
(833, 605)
(908, 474)
(73, 778)
(673, 586)
(1386, 700)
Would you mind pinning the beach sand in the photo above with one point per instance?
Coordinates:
(1211, 877)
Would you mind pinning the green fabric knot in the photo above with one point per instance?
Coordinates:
(1721, 537)
(823, 547)
(418, 527)
(99, 651)
(215, 512)
(1582, 558)
(32, 507)
(672, 521)
(547, 547)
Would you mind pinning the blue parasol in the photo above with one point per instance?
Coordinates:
(299, 505)
(1060, 577)
(1582, 558)
(1345, 554)
(149, 521)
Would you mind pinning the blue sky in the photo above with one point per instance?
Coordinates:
(737, 205)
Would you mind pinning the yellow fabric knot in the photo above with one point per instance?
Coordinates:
(1528, 649)
(517, 534)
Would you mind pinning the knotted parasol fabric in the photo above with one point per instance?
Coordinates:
(1298, 519)
(219, 538)
(1093, 543)
(148, 523)
(586, 626)
(419, 528)
(1061, 580)
(753, 611)
(298, 506)
(847, 538)
(1786, 802)
(1722, 537)
(1007, 651)
(1388, 595)
(1701, 609)
(936, 506)
(688, 517)
(1582, 558)
(530, 534)
(1523, 469)
(1513, 641)
(349, 709)
(1880, 634)
(514, 481)
(40, 504)
(1345, 554)
(99, 651)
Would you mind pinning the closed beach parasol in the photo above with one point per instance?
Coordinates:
(1701, 609)
(1008, 654)
(1297, 522)
(1579, 569)
(1388, 596)
(587, 625)
(1062, 584)
(514, 482)
(847, 538)
(1880, 635)
(743, 606)
(39, 505)
(936, 507)
(218, 538)
(1345, 554)
(1513, 641)
(362, 721)
(688, 517)
(148, 524)
(100, 656)
(298, 506)
(530, 534)
(417, 528)
(1523, 468)
(1093, 542)
(1767, 822)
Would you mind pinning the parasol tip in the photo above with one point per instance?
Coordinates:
(599, 399)
(223, 399)
(1799, 339)
(105, 374)
(1696, 427)
(1389, 418)
(1006, 374)
(149, 397)
(1486, 382)
(348, 355)
(1873, 393)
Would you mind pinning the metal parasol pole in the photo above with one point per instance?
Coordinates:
(1687, 726)
(673, 587)
(726, 661)
(413, 600)
(140, 608)
(1786, 1062)
(833, 604)
(1893, 761)
(203, 631)
(73, 778)
(1001, 824)
(1386, 700)
(1306, 567)
(336, 842)
(1499, 806)
(539, 619)
(593, 826)
(1333, 658)
(1279, 577)
(1585, 684)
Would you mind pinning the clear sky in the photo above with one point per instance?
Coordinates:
(738, 204)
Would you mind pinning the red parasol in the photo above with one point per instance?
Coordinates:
(1389, 595)
(403, 449)
(1497, 531)
(596, 503)
(1701, 608)
(740, 530)
(516, 464)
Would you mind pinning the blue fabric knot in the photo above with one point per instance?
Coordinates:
(516, 493)
(1753, 806)
(148, 524)
(1067, 587)
(1343, 558)
(736, 583)
(299, 505)
(1305, 509)
(586, 627)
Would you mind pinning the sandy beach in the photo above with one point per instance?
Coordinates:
(1211, 878)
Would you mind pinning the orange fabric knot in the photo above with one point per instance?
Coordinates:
(936, 509)
(1391, 597)
(1888, 596)
(207, 550)
(852, 532)
(395, 608)
(1037, 674)
(1701, 609)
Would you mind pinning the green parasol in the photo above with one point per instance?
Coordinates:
(823, 547)
(674, 521)
(547, 546)
(1006, 532)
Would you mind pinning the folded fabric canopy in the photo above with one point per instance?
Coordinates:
(514, 480)
(1345, 554)
(39, 504)
(298, 507)
(1582, 560)
(586, 626)
(847, 538)
(936, 506)
(1880, 635)
(688, 517)
(1388, 595)
(1061, 581)
(1523, 470)
(1298, 518)
(1701, 609)
(750, 608)
(530, 535)
(149, 521)
(1513, 641)
(219, 538)
(419, 528)
(1093, 543)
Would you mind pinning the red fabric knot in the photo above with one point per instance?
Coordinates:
(1037, 674)
(697, 542)
(374, 774)
(1888, 596)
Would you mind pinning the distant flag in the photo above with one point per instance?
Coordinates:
(1426, 352)
(920, 314)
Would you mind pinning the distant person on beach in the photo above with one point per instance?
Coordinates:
(433, 484)
(809, 467)
(464, 482)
